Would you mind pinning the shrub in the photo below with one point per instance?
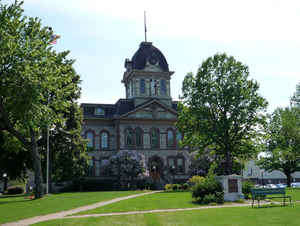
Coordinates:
(208, 186)
(15, 190)
(175, 187)
(247, 185)
(209, 198)
(195, 180)
(185, 186)
(168, 187)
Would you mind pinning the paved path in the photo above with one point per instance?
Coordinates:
(62, 214)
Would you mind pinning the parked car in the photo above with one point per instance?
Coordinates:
(281, 185)
(271, 186)
(295, 185)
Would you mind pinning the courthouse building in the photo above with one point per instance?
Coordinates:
(144, 121)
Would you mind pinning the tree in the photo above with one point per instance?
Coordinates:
(14, 158)
(125, 165)
(221, 109)
(68, 154)
(36, 82)
(295, 99)
(283, 142)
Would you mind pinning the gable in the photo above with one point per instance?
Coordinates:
(153, 110)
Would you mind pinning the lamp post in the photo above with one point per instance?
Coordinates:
(5, 181)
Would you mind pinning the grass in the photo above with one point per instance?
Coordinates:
(17, 208)
(163, 200)
(231, 216)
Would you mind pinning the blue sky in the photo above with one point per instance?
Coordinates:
(264, 35)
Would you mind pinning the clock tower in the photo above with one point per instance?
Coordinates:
(147, 76)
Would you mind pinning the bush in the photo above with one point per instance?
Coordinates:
(247, 185)
(14, 190)
(168, 187)
(196, 180)
(175, 187)
(185, 186)
(209, 186)
(209, 198)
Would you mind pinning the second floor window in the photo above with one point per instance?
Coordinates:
(104, 140)
(155, 138)
(129, 137)
(90, 137)
(170, 138)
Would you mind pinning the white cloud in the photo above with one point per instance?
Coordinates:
(211, 20)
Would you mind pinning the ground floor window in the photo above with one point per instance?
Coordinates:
(176, 164)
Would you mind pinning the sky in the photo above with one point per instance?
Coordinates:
(263, 34)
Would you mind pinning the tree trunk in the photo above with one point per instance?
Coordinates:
(228, 163)
(288, 179)
(38, 180)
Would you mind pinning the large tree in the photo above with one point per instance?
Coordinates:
(283, 142)
(36, 82)
(221, 109)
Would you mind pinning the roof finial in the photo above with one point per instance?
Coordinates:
(145, 26)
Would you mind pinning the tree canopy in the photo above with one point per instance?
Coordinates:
(37, 84)
(221, 109)
(283, 142)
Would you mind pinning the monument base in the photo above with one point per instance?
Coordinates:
(232, 187)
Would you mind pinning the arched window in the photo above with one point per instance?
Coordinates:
(90, 137)
(129, 137)
(104, 140)
(163, 87)
(142, 86)
(139, 137)
(170, 138)
(155, 138)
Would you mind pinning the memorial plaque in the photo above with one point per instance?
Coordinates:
(232, 185)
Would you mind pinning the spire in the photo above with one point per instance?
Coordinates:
(145, 26)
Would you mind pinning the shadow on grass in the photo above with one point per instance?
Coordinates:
(11, 196)
(271, 206)
(17, 201)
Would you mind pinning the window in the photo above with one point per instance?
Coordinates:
(104, 140)
(163, 88)
(99, 111)
(155, 138)
(180, 166)
(91, 167)
(90, 137)
(138, 137)
(176, 164)
(129, 137)
(170, 138)
(142, 86)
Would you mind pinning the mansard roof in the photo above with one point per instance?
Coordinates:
(148, 52)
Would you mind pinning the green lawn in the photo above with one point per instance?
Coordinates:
(294, 192)
(232, 216)
(16, 208)
(163, 200)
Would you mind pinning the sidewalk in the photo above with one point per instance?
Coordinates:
(62, 214)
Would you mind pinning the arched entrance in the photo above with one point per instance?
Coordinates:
(155, 165)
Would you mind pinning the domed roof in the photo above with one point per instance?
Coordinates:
(149, 53)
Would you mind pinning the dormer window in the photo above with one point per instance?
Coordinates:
(99, 111)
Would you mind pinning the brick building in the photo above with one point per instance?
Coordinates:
(143, 121)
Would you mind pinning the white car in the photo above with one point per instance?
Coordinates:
(295, 185)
